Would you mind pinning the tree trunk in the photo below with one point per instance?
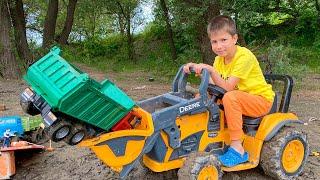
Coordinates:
(169, 29)
(317, 5)
(121, 24)
(50, 23)
(93, 27)
(19, 25)
(205, 46)
(126, 11)
(318, 10)
(8, 65)
(129, 39)
(68, 23)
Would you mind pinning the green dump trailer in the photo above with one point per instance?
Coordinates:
(62, 93)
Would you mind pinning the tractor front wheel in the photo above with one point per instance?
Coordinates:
(284, 156)
(200, 166)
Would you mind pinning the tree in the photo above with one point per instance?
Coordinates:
(19, 25)
(68, 23)
(169, 29)
(90, 24)
(205, 45)
(318, 10)
(127, 15)
(50, 24)
(195, 15)
(125, 9)
(121, 23)
(8, 64)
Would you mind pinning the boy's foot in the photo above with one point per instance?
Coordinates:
(232, 158)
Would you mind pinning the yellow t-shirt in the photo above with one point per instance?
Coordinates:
(245, 66)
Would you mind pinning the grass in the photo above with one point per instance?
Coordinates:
(153, 58)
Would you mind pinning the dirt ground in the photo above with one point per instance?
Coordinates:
(72, 162)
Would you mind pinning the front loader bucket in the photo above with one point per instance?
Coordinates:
(120, 148)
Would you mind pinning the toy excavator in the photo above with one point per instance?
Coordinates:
(176, 130)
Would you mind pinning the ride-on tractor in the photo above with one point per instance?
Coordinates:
(175, 130)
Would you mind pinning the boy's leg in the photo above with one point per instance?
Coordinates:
(237, 103)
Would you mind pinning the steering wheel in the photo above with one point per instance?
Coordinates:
(216, 91)
(180, 82)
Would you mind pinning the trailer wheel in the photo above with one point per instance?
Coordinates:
(29, 108)
(77, 134)
(200, 165)
(59, 130)
(284, 156)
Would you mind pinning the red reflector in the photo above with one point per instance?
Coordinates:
(124, 123)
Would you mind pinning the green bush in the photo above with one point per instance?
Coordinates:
(281, 63)
(100, 47)
(316, 42)
(153, 32)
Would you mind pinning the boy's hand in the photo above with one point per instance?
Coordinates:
(198, 68)
(187, 67)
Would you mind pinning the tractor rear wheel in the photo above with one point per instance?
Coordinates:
(200, 166)
(284, 156)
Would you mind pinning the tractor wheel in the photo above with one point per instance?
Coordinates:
(59, 130)
(200, 166)
(77, 134)
(284, 156)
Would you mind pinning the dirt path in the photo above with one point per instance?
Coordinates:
(69, 162)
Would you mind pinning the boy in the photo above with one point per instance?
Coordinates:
(237, 70)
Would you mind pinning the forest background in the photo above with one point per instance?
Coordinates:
(157, 36)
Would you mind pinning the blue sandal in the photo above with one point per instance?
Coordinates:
(232, 158)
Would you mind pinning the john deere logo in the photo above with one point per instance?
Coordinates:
(189, 107)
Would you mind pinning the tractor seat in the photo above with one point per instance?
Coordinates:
(256, 121)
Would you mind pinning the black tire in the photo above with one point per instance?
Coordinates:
(39, 136)
(77, 134)
(197, 166)
(59, 130)
(281, 146)
(29, 108)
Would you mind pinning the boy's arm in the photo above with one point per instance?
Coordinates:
(187, 67)
(228, 84)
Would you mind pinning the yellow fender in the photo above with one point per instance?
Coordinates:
(269, 127)
(272, 123)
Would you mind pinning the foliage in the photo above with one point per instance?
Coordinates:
(153, 31)
(286, 31)
(281, 63)
(91, 21)
(283, 37)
